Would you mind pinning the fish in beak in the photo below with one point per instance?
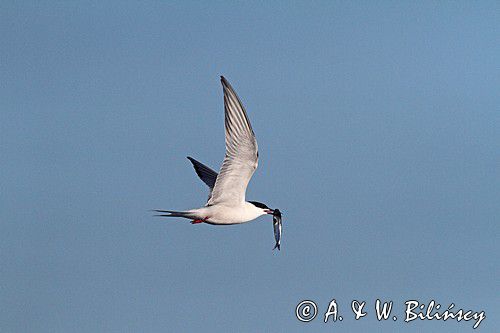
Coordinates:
(277, 228)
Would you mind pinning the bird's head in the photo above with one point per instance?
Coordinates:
(276, 220)
(265, 209)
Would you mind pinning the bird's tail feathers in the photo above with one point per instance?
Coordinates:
(172, 213)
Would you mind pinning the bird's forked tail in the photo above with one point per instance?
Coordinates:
(171, 213)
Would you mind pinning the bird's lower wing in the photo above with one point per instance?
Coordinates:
(207, 175)
(232, 182)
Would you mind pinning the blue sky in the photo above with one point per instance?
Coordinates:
(378, 127)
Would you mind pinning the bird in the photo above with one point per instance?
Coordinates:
(226, 203)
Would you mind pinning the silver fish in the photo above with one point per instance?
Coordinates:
(277, 228)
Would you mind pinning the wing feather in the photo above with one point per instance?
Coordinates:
(207, 175)
(241, 158)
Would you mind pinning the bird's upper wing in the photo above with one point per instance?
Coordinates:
(205, 173)
(241, 152)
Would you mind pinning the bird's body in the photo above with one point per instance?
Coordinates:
(221, 214)
(226, 203)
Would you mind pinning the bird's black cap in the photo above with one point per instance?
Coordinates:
(259, 204)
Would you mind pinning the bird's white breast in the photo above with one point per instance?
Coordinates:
(222, 214)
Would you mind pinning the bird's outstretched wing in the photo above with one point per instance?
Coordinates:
(205, 173)
(241, 152)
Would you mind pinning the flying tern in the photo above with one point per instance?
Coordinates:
(226, 203)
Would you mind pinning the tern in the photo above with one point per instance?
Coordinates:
(226, 203)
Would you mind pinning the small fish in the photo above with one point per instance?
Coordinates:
(277, 228)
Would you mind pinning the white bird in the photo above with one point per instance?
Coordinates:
(226, 203)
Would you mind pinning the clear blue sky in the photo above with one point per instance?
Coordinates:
(378, 126)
